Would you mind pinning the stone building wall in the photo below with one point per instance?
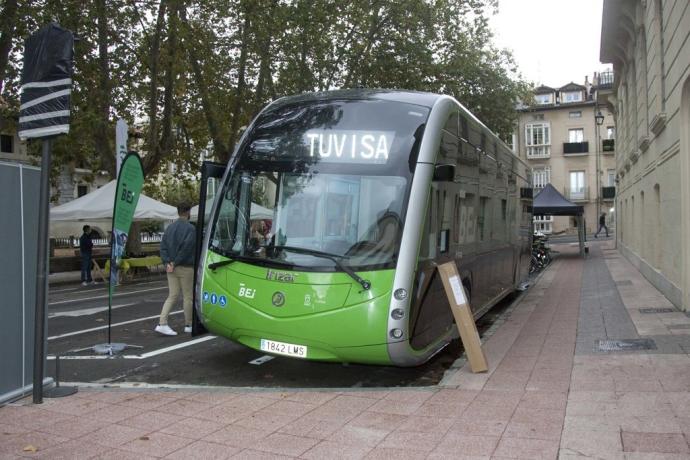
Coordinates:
(647, 43)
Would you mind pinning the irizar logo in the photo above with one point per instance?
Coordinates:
(278, 299)
(283, 277)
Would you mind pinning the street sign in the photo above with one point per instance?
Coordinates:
(46, 83)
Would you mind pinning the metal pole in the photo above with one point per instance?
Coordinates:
(42, 274)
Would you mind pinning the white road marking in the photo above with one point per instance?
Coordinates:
(100, 328)
(87, 311)
(261, 360)
(53, 291)
(106, 295)
(143, 356)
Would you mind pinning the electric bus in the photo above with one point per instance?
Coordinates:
(333, 213)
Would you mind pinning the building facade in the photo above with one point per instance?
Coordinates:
(565, 144)
(12, 149)
(647, 43)
(73, 181)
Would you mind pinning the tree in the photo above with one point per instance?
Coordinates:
(190, 76)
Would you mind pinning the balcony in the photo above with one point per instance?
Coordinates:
(575, 148)
(608, 193)
(536, 153)
(608, 145)
(605, 80)
(576, 194)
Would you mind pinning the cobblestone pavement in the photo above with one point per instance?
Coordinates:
(550, 393)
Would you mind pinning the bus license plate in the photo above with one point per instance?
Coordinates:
(281, 348)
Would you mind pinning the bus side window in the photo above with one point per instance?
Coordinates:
(426, 252)
(464, 129)
(482, 218)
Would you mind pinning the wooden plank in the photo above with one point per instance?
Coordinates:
(463, 316)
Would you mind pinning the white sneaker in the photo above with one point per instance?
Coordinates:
(188, 329)
(165, 330)
(93, 283)
(84, 283)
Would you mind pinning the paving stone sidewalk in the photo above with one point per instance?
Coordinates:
(550, 393)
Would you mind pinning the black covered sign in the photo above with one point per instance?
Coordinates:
(46, 83)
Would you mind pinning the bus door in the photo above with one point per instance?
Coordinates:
(211, 176)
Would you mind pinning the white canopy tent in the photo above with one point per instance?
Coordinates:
(96, 209)
(257, 212)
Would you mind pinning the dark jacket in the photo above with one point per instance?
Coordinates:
(85, 244)
(177, 245)
(602, 219)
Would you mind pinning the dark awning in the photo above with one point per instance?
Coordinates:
(551, 203)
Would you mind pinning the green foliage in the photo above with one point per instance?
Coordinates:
(173, 191)
(188, 76)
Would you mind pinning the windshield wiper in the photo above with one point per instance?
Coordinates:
(332, 257)
(221, 263)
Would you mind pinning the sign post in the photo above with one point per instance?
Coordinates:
(44, 112)
(130, 181)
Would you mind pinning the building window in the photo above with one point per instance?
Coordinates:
(6, 143)
(577, 185)
(82, 190)
(543, 224)
(610, 132)
(571, 96)
(540, 177)
(611, 177)
(576, 135)
(538, 140)
(575, 114)
(541, 99)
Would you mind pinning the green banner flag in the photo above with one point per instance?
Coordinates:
(130, 180)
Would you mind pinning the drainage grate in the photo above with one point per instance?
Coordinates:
(624, 283)
(625, 345)
(657, 310)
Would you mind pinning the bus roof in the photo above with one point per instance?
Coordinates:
(410, 97)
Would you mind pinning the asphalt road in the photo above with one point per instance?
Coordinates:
(78, 321)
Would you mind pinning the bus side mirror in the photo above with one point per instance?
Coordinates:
(444, 173)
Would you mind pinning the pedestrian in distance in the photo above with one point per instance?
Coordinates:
(602, 224)
(85, 250)
(177, 253)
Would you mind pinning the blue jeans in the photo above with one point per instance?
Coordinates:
(86, 267)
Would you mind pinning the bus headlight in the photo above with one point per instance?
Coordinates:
(400, 294)
(396, 333)
(398, 313)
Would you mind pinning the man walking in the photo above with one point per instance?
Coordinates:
(177, 253)
(602, 224)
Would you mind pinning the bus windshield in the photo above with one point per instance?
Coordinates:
(357, 218)
(328, 179)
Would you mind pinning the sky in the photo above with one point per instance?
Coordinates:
(554, 42)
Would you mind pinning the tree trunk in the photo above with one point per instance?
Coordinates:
(209, 111)
(265, 77)
(376, 22)
(237, 105)
(103, 145)
(133, 246)
(166, 138)
(150, 161)
(9, 18)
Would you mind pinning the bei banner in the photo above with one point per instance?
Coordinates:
(130, 180)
